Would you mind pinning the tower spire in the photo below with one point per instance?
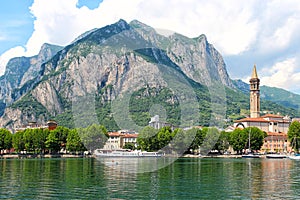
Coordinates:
(254, 72)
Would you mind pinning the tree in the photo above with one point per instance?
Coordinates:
(146, 138)
(184, 141)
(28, 138)
(294, 135)
(129, 145)
(238, 140)
(210, 138)
(164, 136)
(93, 137)
(74, 142)
(40, 138)
(178, 144)
(5, 139)
(18, 142)
(57, 139)
(61, 133)
(198, 137)
(223, 142)
(151, 139)
(53, 143)
(256, 137)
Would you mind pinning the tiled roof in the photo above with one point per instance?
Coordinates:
(263, 119)
(114, 134)
(271, 116)
(130, 135)
(117, 134)
(252, 120)
(276, 134)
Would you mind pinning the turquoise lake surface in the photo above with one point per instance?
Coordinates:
(186, 178)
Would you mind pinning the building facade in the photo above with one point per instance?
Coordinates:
(117, 140)
(51, 125)
(157, 124)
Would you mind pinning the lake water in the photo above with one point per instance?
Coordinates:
(186, 178)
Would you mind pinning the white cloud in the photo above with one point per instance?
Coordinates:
(230, 28)
(14, 52)
(265, 29)
(284, 74)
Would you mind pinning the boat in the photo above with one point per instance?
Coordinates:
(125, 153)
(276, 156)
(250, 155)
(295, 157)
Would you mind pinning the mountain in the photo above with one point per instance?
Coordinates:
(19, 71)
(277, 95)
(122, 74)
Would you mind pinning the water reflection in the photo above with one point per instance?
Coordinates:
(136, 165)
(276, 176)
(189, 178)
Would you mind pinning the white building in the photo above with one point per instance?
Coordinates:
(157, 124)
(267, 123)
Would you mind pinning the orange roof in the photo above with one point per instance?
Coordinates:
(117, 134)
(276, 134)
(252, 120)
(263, 119)
(131, 135)
(114, 134)
(271, 116)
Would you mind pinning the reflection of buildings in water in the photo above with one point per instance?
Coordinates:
(275, 175)
(267, 176)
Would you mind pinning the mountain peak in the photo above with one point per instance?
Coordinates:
(123, 24)
(49, 47)
(202, 37)
(137, 24)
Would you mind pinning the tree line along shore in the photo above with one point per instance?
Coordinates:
(78, 142)
(83, 141)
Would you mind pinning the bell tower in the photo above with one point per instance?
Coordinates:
(254, 95)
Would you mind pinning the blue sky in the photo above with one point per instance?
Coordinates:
(265, 33)
(16, 23)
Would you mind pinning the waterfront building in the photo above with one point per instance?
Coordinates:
(275, 126)
(130, 138)
(51, 125)
(114, 141)
(117, 140)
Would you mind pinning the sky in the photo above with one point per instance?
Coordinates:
(264, 33)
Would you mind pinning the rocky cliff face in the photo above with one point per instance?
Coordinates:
(198, 59)
(20, 71)
(113, 60)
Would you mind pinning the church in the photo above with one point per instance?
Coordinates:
(275, 126)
